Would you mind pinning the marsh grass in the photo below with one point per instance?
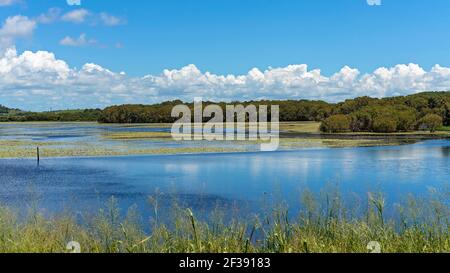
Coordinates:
(324, 225)
(293, 143)
(89, 150)
(27, 149)
(300, 127)
(148, 143)
(137, 136)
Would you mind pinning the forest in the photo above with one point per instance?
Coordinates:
(423, 111)
(15, 115)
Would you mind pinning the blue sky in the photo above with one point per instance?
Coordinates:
(235, 36)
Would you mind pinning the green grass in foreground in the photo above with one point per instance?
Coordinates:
(421, 227)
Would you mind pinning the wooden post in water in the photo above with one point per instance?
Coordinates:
(38, 155)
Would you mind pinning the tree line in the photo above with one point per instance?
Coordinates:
(14, 115)
(4, 109)
(423, 111)
(161, 113)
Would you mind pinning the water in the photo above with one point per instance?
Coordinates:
(245, 181)
(71, 135)
(67, 132)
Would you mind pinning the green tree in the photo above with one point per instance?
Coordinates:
(385, 124)
(3, 109)
(407, 119)
(430, 122)
(336, 124)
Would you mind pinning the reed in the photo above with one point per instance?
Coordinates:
(324, 225)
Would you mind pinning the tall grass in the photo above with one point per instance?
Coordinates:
(324, 224)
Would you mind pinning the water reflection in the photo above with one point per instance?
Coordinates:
(233, 180)
(445, 151)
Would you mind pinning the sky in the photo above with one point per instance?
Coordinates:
(61, 54)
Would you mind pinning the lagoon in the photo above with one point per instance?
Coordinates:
(246, 182)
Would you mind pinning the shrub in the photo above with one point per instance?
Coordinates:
(361, 121)
(430, 122)
(385, 124)
(335, 124)
(407, 120)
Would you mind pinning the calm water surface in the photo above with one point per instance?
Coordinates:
(246, 181)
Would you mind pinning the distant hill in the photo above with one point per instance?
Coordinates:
(9, 111)
(4, 109)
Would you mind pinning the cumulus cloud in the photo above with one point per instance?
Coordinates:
(51, 16)
(77, 42)
(110, 20)
(39, 81)
(77, 16)
(18, 26)
(5, 3)
(15, 27)
(81, 15)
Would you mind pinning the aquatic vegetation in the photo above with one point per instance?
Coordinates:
(92, 151)
(321, 227)
(300, 127)
(296, 143)
(27, 149)
(137, 135)
(84, 139)
(22, 143)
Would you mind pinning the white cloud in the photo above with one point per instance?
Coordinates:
(82, 40)
(77, 16)
(5, 3)
(81, 15)
(46, 82)
(19, 26)
(51, 16)
(110, 20)
(16, 27)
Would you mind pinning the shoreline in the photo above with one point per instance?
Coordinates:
(179, 230)
(135, 139)
(368, 136)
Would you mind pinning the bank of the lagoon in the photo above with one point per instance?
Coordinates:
(321, 227)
